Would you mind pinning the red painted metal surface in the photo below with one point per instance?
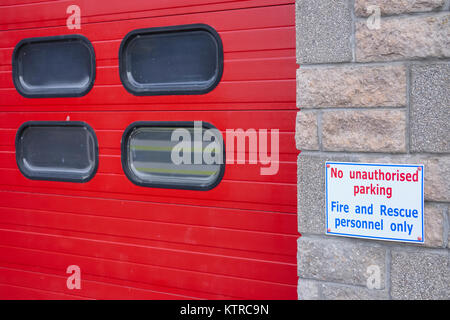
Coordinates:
(237, 241)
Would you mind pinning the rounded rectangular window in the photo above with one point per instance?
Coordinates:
(178, 155)
(59, 66)
(174, 60)
(57, 151)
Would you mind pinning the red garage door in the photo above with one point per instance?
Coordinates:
(218, 232)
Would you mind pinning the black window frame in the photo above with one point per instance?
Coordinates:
(19, 156)
(177, 124)
(74, 93)
(169, 29)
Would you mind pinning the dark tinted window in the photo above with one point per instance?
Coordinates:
(172, 60)
(181, 155)
(61, 66)
(61, 151)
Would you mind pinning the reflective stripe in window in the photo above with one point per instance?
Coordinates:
(179, 155)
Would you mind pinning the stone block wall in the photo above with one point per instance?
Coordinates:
(377, 91)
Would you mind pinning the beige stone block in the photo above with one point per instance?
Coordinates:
(351, 87)
(434, 225)
(364, 130)
(392, 7)
(437, 171)
(415, 37)
(306, 137)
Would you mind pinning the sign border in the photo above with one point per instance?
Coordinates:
(422, 241)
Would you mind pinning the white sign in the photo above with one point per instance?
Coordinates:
(376, 201)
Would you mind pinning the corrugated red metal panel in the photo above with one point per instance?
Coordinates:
(235, 241)
(47, 14)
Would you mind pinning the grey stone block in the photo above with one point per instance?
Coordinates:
(430, 108)
(311, 192)
(324, 29)
(420, 275)
(340, 260)
(308, 289)
(311, 197)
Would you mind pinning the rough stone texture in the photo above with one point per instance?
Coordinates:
(339, 260)
(364, 130)
(308, 290)
(306, 137)
(332, 291)
(392, 7)
(434, 225)
(310, 197)
(437, 171)
(311, 194)
(430, 108)
(420, 275)
(324, 30)
(404, 38)
(351, 87)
